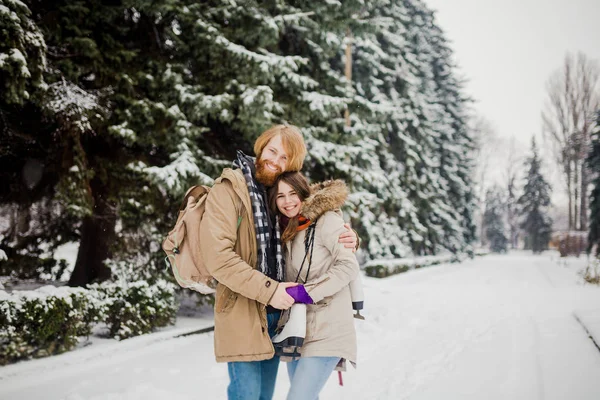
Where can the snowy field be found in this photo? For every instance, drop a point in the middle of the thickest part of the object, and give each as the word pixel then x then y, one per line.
pixel 497 327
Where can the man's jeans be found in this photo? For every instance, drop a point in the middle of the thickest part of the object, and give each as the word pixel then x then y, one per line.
pixel 308 376
pixel 254 380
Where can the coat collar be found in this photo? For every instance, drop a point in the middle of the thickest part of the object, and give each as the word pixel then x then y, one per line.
pixel 325 196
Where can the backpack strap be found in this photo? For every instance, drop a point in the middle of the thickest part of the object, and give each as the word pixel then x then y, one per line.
pixel 194 191
pixel 240 216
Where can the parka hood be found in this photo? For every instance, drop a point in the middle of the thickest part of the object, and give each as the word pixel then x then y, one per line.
pixel 325 196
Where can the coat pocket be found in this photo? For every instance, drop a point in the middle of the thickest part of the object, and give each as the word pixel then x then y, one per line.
pixel 225 299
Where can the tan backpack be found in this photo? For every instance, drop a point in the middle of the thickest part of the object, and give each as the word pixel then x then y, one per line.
pixel 182 245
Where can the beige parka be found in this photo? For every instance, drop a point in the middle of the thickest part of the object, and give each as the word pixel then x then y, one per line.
pixel 330 328
pixel 230 254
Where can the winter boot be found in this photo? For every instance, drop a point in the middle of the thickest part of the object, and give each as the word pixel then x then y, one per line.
pixel 294 330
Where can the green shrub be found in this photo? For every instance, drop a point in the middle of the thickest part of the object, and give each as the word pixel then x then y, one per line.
pixel 132 309
pixel 44 322
pixel 50 320
pixel 385 268
pixel 32 267
pixel 382 271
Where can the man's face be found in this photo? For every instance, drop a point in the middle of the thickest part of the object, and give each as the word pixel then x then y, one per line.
pixel 272 162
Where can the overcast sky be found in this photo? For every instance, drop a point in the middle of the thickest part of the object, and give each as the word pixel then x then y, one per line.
pixel 508 49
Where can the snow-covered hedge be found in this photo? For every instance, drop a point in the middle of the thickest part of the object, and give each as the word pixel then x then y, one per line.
pixel 50 320
pixel 384 268
pixel 136 308
pixel 45 321
pixel 481 252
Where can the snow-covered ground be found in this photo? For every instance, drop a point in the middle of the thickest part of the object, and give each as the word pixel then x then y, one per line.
pixel 497 327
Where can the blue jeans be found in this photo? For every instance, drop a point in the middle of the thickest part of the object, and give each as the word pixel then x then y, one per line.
pixel 308 375
pixel 254 380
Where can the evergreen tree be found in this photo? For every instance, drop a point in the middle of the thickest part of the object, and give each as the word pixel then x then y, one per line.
pixel 126 104
pixel 493 219
pixel 512 212
pixel 22 53
pixel 453 145
pixel 388 89
pixel 593 162
pixel 534 204
pixel 408 92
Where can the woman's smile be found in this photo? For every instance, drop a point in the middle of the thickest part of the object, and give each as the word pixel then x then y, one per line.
pixel 288 201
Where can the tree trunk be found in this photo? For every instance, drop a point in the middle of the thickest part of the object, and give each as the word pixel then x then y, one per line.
pixel 20 219
pixel 97 236
pixel 569 193
pixel 572 99
pixel 576 221
pixel 583 210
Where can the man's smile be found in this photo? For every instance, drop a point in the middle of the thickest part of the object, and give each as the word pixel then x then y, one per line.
pixel 271 167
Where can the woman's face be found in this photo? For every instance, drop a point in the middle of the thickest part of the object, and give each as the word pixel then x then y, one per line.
pixel 288 201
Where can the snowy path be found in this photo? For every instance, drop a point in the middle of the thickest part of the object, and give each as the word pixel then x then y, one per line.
pixel 498 327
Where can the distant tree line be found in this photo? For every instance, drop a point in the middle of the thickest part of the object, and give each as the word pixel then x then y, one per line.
pixel 530 209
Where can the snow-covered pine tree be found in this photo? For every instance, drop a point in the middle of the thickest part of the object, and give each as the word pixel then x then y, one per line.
pixel 382 92
pixel 33 154
pixel 22 53
pixel 421 175
pixel 534 204
pixel 222 73
pixel 379 206
pixel 493 219
pixel 593 163
pixel 453 146
pixel 313 93
pixel 394 76
pixel 145 99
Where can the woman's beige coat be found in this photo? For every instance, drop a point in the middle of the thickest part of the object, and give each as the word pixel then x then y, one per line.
pixel 330 328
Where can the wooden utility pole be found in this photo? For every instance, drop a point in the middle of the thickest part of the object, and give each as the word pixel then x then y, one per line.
pixel 348 70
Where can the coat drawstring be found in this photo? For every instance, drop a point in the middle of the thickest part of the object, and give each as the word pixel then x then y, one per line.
pixel 340 380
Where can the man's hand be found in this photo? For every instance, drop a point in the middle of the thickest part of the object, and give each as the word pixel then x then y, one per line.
pixel 348 238
pixel 281 299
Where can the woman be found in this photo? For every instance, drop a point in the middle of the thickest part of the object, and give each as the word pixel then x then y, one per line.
pixel 314 222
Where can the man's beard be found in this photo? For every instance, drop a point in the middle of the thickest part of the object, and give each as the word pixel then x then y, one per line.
pixel 265 175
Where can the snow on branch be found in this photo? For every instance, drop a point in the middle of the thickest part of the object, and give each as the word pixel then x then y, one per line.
pixel 171 177
pixel 74 104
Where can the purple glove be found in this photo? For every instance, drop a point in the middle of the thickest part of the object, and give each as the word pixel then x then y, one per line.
pixel 299 294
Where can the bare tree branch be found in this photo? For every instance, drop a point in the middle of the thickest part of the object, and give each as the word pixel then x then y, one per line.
pixel 567 122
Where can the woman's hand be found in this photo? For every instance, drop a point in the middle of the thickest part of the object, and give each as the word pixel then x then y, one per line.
pixel 281 299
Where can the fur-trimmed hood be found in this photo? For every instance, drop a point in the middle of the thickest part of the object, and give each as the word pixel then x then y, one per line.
pixel 325 196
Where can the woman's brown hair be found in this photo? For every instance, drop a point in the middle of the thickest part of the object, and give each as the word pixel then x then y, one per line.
pixel 298 182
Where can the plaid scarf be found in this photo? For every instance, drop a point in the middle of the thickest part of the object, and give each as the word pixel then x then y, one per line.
pixel 262 224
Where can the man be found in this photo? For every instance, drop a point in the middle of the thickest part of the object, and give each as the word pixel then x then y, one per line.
pixel 241 246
